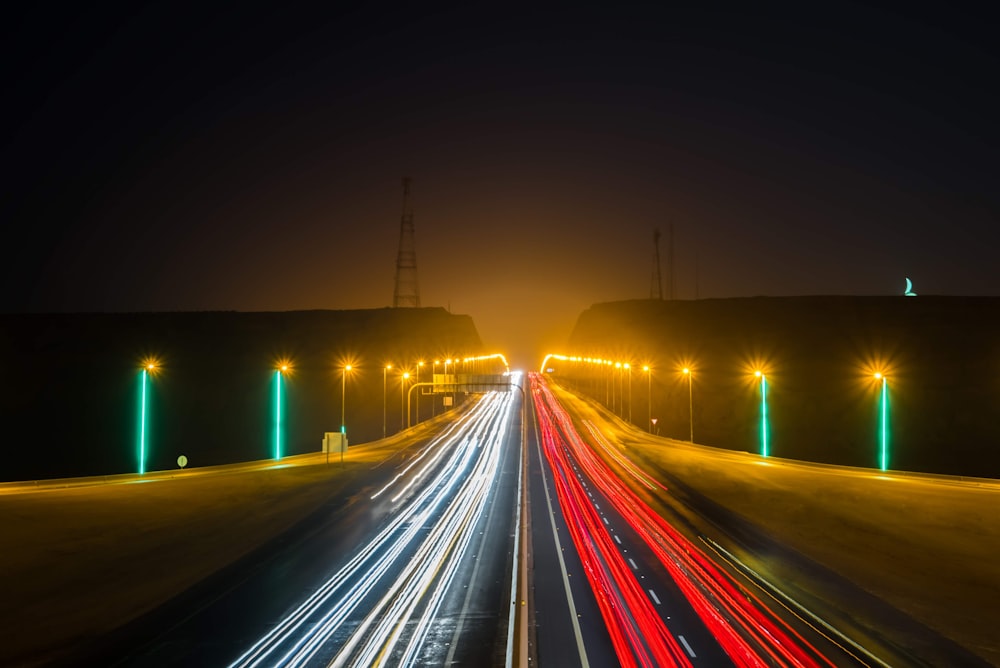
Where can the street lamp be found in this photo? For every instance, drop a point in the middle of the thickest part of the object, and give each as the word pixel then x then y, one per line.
pixel 628 367
pixel 278 373
pixel 420 366
pixel 433 396
pixel 343 404
pixel 446 363
pixel 883 422
pixel 148 368
pixel 618 368
pixel 402 398
pixel 649 397
pixel 690 376
pixel 763 411
pixel 385 370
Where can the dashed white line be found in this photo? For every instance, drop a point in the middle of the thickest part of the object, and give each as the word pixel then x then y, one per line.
pixel 617 539
pixel 686 646
pixel 634 567
pixel 653 594
pixel 605 520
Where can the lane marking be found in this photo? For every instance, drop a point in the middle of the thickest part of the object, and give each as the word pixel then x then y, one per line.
pixel 633 563
pixel 617 539
pixel 788 602
pixel 686 646
pixel 653 594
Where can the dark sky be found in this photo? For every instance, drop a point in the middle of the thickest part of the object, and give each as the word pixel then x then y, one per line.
pixel 179 157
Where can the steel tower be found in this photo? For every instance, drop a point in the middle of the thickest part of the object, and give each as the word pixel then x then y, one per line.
pixel 407 292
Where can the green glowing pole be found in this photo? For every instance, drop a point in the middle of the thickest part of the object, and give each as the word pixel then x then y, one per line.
pixel 763 415
pixel 277 414
pixel 884 426
pixel 142 424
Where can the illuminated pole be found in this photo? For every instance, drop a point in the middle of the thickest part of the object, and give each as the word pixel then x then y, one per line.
pixel 763 412
pixel 420 366
pixel 277 410
pixel 687 372
pixel 618 404
pixel 446 363
pixel 649 397
pixel 343 405
pixel 148 369
pixel 385 370
pixel 402 399
pixel 883 423
pixel 433 395
pixel 628 367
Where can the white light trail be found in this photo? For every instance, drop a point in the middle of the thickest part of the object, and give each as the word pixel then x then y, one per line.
pixel 392 589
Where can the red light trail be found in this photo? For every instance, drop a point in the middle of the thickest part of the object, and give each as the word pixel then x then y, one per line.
pixel 749 633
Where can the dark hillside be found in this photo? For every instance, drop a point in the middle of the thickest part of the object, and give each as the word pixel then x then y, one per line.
pixel 941 356
pixel 70 383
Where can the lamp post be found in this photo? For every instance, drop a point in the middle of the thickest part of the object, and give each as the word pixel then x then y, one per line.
pixel 433 395
pixel 147 370
pixel 618 404
pixel 763 412
pixel 649 397
pixel 420 367
pixel 385 370
pixel 277 409
pixel 402 399
pixel 690 376
pixel 446 363
pixel 883 422
pixel 628 367
pixel 343 405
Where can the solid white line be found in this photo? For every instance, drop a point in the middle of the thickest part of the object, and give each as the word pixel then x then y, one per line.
pixel 653 594
pixel 787 601
pixel 633 563
pixel 686 646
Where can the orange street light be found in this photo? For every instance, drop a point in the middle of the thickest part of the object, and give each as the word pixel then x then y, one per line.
pixel 690 376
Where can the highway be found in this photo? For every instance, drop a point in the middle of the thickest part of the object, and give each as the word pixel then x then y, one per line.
pixel 741 566
pixel 414 570
pixel 627 564
pixel 663 601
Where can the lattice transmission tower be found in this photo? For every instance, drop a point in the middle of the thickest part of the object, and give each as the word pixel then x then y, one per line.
pixel 407 291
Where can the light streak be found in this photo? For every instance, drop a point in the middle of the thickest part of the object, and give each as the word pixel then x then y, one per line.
pixel 382 605
pixel 746 629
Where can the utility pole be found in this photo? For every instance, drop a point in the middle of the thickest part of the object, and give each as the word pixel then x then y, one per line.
pixel 407 291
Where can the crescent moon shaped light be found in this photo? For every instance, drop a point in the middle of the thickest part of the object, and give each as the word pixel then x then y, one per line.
pixel 909 289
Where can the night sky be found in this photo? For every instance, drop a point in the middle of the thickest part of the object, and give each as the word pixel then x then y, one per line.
pixel 177 157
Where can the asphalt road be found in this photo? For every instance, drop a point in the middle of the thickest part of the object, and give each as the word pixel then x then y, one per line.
pixel 415 567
